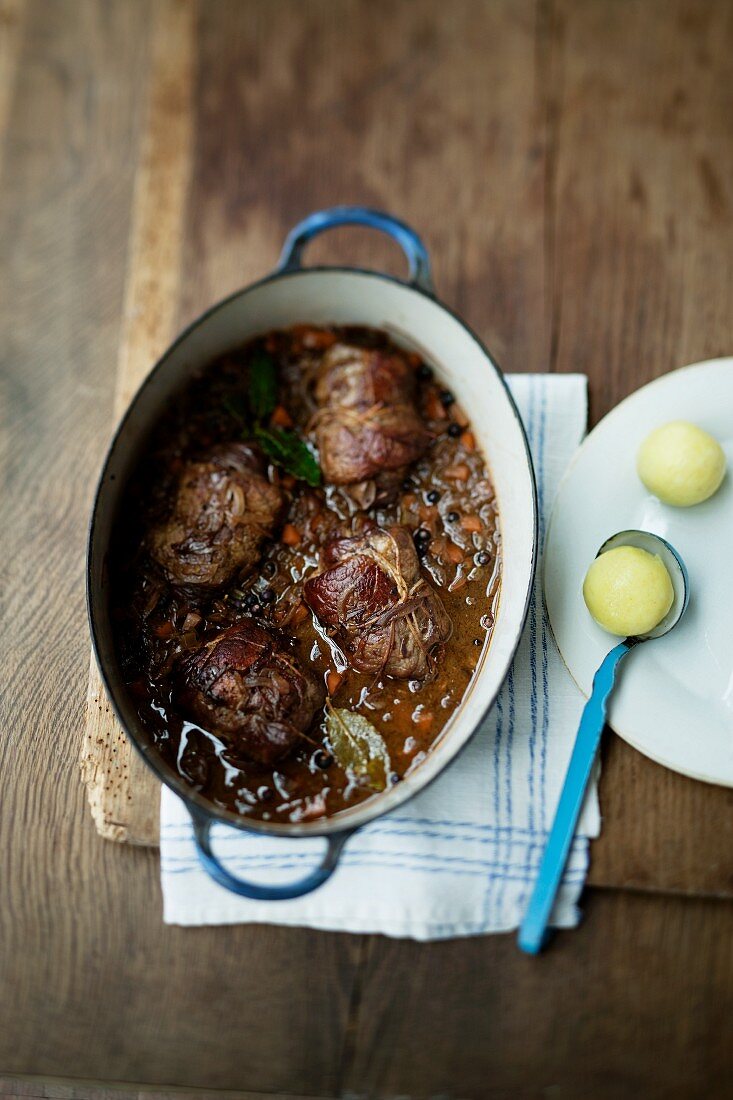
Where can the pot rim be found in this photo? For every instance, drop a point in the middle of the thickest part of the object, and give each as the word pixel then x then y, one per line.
pixel 346 821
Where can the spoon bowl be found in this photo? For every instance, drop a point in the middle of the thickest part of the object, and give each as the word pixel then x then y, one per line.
pixel 673 563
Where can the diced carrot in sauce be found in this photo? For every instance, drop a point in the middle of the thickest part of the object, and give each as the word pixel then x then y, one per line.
pixel 290 535
pixel 319 338
pixel 459 472
pixel 468 440
pixel 333 681
pixel 299 615
pixel 437 546
pixel 454 553
pixel 281 417
pixel 164 630
pixel 316 522
pixel 471 524
pixel 434 407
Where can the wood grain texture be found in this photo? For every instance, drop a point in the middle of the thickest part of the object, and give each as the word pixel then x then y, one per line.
pixel 91 982
pixel 38 1088
pixel 124 796
pixel 616 1010
pixel 506 132
pixel 376 104
pixel 12 14
pixel 610 1012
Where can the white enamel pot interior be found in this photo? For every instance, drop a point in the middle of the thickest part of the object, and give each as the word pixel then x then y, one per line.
pixel 418 322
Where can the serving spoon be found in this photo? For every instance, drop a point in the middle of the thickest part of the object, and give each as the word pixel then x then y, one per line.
pixel 533 932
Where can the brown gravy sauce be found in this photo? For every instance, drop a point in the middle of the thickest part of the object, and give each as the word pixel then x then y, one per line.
pixel 447 496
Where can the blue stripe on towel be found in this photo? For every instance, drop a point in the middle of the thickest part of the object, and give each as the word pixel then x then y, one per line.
pixel 245 863
pixel 183 828
pixel 265 859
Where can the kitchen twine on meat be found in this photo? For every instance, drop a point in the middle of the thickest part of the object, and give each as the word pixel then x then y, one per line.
pixel 461 857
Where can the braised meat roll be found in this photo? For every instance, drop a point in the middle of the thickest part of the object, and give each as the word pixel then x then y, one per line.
pixel 223 507
pixel 247 687
pixel 368 428
pixel 372 596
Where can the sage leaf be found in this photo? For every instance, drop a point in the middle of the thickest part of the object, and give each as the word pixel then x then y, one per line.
pixel 288 450
pixel 285 448
pixel 262 385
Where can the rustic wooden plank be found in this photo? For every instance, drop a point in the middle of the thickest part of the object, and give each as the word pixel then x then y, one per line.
pixel 37 1088
pixel 337 104
pixel 641 161
pixel 12 14
pixel 611 1011
pixel 93 984
pixel 123 794
pixel 51 358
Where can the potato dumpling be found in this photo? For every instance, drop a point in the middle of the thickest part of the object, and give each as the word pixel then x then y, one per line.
pixel 681 464
pixel 628 591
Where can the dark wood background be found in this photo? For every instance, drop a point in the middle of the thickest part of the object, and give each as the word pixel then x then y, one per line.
pixel 570 166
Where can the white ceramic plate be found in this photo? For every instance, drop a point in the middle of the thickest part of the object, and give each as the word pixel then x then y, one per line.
pixel 674 699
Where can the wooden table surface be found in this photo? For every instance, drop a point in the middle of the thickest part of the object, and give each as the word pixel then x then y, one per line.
pixel 569 165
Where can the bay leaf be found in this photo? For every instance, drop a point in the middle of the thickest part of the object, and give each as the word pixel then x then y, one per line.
pixel 358 747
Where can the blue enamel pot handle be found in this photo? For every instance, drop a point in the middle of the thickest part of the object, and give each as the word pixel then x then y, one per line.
pixel 408 240
pixel 315 878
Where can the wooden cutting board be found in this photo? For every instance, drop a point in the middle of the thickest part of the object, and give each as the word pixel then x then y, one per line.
pixel 123 793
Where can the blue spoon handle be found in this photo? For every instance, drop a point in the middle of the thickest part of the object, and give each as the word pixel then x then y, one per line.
pixel 533 929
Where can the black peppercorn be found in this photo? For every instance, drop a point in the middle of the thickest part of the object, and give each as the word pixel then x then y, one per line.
pixel 422 539
pixel 394 778
pixel 268 569
pixel 251 602
pixel 482 558
pixel 446 398
pixel 322 759
pixel 453 517
pixel 267 594
pixel 424 372
pixel 407 485
pixel 477 641
pixel 433 496
pixel 454 430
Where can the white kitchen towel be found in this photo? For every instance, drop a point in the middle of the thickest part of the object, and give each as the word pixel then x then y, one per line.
pixel 461 857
